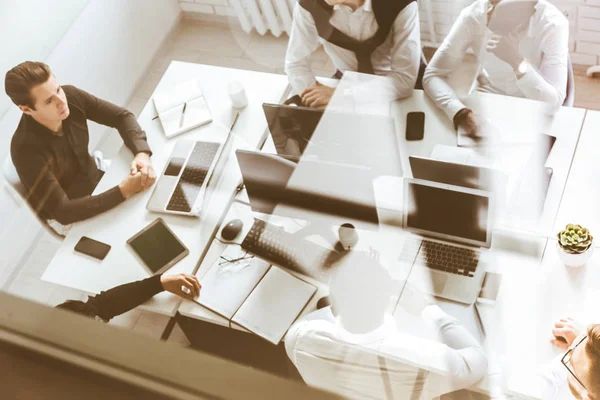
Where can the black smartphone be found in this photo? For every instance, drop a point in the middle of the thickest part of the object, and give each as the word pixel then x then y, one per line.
pixel 92 248
pixel 415 125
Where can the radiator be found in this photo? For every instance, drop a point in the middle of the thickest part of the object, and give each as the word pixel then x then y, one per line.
pixel 276 16
pixel 264 15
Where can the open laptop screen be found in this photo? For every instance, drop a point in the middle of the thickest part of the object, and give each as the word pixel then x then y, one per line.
pixel 447 212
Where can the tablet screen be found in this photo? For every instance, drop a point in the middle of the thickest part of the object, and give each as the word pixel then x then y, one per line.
pixel 157 246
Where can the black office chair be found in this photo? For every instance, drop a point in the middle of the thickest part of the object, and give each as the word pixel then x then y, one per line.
pixel 422 67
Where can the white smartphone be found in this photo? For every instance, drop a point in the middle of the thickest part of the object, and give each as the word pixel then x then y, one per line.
pixel 490 288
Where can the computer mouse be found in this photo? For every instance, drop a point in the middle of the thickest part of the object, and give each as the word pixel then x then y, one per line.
pixel 232 229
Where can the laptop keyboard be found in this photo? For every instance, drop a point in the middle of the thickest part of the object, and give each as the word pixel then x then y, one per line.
pixel 193 176
pixel 439 256
pixel 447 258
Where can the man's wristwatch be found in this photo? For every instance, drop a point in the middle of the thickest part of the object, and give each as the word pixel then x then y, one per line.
pixel 522 68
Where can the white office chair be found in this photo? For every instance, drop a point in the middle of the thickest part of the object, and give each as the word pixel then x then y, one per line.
pixel 12 177
pixel 361 372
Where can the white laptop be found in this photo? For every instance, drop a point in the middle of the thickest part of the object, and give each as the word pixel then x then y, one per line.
pixel 453 225
pixel 185 182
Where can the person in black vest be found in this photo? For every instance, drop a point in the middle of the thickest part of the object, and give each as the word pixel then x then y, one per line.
pixel 380 37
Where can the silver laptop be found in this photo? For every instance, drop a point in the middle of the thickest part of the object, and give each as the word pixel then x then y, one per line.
pixel 185 183
pixel 454 226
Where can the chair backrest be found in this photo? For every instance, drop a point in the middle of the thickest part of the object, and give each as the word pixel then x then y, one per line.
pixel 12 177
pixel 570 97
pixel 356 371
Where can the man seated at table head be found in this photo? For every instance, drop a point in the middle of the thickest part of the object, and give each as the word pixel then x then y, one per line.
pixel 525 55
pixel 123 298
pixel 580 365
pixel 355 349
pixel 50 146
pixel 378 37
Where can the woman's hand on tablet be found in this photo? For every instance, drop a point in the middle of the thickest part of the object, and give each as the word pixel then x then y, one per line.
pixel 182 285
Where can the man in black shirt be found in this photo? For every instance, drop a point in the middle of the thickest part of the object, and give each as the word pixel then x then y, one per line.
pixel 50 146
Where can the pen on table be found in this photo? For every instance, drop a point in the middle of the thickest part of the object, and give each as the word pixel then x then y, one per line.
pixel 183 114
pixel 234 121
pixel 479 318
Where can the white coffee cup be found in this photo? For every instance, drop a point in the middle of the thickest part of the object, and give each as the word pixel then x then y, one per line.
pixel 237 94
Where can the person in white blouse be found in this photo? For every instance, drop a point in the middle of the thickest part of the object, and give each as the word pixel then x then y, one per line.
pixel 360 353
pixel 371 36
pixel 521 49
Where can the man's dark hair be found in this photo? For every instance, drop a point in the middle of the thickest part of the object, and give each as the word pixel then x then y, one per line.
pixel 21 79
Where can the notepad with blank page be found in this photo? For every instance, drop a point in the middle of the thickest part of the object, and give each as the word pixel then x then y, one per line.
pixel 170 106
pixel 274 304
pixel 230 280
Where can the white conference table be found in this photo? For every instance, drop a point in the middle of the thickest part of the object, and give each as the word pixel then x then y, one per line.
pixel 120 266
pixel 438 130
pixel 114 227
pixel 520 325
pixel 536 287
pixel 514 116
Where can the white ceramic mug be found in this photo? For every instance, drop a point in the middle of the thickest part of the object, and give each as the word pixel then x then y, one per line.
pixel 237 94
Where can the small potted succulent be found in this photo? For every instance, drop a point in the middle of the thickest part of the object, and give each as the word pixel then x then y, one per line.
pixel 575 245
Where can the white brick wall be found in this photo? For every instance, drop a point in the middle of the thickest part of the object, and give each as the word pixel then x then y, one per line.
pixel 583 15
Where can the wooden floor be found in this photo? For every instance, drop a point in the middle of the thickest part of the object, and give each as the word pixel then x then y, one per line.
pixel 206 43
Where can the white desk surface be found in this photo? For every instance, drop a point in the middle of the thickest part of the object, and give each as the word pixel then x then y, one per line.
pixel 566 127
pixel 531 300
pixel 119 224
pixel 514 116
pixel 580 203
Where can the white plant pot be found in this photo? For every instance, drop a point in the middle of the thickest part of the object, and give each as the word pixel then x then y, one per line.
pixel 574 260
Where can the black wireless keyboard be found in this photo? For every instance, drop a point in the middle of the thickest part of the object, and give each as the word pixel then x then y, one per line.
pixel 273 244
pixel 193 177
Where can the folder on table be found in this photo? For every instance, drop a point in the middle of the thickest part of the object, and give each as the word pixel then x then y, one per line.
pixel 170 106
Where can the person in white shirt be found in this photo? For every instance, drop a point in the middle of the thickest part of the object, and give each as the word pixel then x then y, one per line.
pixel 378 37
pixel 525 56
pixel 579 366
pixel 359 352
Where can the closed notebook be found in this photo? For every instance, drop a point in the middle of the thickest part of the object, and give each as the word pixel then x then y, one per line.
pixel 264 299
pixel 171 103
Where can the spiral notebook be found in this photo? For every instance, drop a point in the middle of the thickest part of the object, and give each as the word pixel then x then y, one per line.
pixel 249 292
pixel 171 104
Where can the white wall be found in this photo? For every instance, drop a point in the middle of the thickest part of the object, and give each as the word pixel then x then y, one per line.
pixel 583 15
pixel 106 51
pixel 56 16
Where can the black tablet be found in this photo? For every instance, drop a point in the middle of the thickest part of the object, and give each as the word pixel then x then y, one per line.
pixel 157 247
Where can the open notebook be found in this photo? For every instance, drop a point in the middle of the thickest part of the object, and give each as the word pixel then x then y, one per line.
pixel 264 299
pixel 170 105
